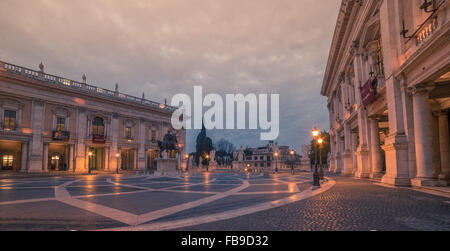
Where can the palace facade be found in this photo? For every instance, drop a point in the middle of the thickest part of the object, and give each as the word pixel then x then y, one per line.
pixel 388 87
pixel 50 123
pixel 269 157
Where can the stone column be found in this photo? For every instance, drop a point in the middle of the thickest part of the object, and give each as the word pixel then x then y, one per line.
pixel 396 146
pixel 423 136
pixel 348 153
pixel 135 160
pixel 23 164
pixel 332 168
pixel 362 153
pixel 114 132
pixel 71 153
pixel 81 160
pixel 354 149
pixel 141 153
pixel 107 158
pixel 444 146
pixel 375 150
pixel 37 124
pixel 338 156
pixel 45 158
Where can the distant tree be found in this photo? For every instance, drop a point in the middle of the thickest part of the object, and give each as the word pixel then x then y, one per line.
pixel 225 146
pixel 224 151
pixel 203 147
pixel 325 148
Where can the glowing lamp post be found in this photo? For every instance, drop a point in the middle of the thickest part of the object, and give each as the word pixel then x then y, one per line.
pixel 292 153
pixel 187 161
pixel 117 160
pixel 207 161
pixel 320 141
pixel 89 166
pixel 276 161
pixel 316 178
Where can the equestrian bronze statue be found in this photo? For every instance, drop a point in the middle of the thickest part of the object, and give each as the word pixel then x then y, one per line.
pixel 169 143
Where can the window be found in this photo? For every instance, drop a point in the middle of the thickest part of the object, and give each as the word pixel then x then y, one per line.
pixel 379 64
pixel 98 126
pixel 10 120
pixel 261 158
pixel 256 158
pixel 128 132
pixel 60 124
pixel 7 162
pixel 153 136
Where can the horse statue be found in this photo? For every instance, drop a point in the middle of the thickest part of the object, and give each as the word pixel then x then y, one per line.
pixel 169 143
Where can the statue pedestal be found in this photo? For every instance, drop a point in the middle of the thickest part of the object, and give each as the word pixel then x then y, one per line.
pixel 166 166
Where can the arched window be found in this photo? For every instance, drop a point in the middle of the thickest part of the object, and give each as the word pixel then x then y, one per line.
pixel 98 126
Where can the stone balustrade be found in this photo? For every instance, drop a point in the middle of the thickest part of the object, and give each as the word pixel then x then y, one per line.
pixel 41 76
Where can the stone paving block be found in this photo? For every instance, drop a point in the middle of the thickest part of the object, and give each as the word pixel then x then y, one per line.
pixel 76 191
pixel 223 205
pixel 52 216
pixel 7 194
pixel 265 188
pixel 209 188
pixel 159 185
pixel 140 203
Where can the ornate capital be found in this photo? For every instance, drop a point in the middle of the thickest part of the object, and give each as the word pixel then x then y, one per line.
pixel 420 89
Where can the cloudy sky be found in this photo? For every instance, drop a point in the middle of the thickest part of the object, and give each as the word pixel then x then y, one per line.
pixel 165 47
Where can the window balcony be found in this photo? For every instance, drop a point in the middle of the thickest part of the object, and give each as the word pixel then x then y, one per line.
pixel 61 135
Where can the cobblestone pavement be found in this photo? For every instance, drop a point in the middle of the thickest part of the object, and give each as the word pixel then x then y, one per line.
pixel 350 205
pixel 130 202
pixel 215 202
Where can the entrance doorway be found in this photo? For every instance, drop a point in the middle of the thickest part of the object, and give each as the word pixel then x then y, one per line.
pixel 10 155
pixel 97 158
pixel 151 159
pixel 127 159
pixel 58 157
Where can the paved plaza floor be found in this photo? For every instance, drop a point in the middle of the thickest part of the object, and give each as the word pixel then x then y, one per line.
pixel 215 201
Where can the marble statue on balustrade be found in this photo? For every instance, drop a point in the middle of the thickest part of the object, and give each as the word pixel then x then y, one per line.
pixel 238 156
pixel 212 159
pixel 305 161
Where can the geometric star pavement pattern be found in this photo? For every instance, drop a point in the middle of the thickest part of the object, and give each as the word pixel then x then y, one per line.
pixel 129 202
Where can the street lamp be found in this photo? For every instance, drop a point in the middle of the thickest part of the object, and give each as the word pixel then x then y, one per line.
pixel 187 162
pixel 117 160
pixel 89 166
pixel 320 141
pixel 276 162
pixel 316 178
pixel 292 152
pixel 207 162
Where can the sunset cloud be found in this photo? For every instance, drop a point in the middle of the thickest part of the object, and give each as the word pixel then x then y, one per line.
pixel 164 47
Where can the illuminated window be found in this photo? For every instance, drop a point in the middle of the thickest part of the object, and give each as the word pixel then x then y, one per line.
pixel 7 161
pixel 60 124
pixel 10 120
pixel 128 132
pixel 98 126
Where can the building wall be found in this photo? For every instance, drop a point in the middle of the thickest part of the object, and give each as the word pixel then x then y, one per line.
pixel 401 135
pixel 40 98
